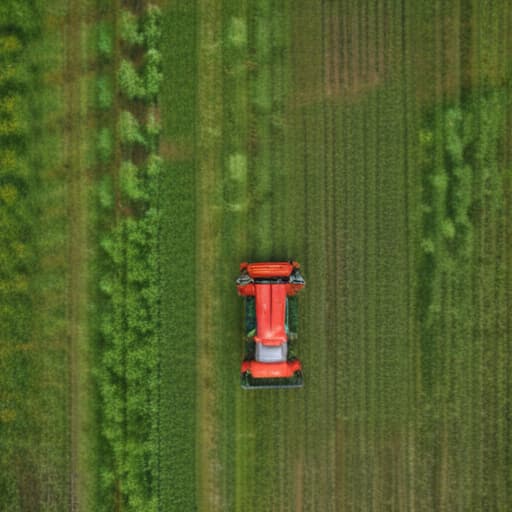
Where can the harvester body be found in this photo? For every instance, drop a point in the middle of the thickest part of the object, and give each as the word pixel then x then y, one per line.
pixel 269 289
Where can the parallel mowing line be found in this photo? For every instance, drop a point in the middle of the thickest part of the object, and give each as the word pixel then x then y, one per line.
pixel 343 403
pixel 361 185
pixel 500 319
pixel 456 304
pixel 264 404
pixel 406 43
pixel 508 284
pixel 437 340
pixel 284 215
pixel 478 310
pixel 446 336
pixel 316 447
pixel 282 250
pixel 404 342
pixel 368 342
pixel 491 311
pixel 250 426
pixel 382 473
pixel 296 441
pixel 353 260
pixel 308 353
pixel 503 267
pixel 394 320
pixel 242 427
pixel 236 428
pixel 209 140
pixel 462 386
pixel 370 285
pixel 275 225
pixel 330 245
pixel 373 384
pixel 340 235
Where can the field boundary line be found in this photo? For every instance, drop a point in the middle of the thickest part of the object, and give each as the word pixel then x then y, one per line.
pixel 77 210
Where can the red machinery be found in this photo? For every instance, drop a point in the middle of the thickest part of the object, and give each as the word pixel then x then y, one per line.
pixel 271 324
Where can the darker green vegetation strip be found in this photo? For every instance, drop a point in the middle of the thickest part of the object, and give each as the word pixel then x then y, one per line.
pixel 177 335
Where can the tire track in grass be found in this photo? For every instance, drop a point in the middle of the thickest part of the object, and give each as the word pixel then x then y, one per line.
pixel 370 164
pixel 236 197
pixel 77 250
pixel 491 339
pixel 275 147
pixel 501 314
pixel 391 293
pixel 318 392
pixel 370 275
pixel 429 342
pixel 347 379
pixel 264 404
pixel 235 430
pixel 208 243
pixel 476 362
pixel 340 269
pixel 263 412
pixel 284 227
pixel 313 349
pixel 296 157
pixel 446 473
pixel 330 56
pixel 443 335
pixel 411 203
pixel 505 288
pixel 370 282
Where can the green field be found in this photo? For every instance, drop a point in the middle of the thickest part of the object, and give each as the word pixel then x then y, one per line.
pixel 147 148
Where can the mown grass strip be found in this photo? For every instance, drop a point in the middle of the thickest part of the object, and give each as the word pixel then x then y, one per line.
pixel 208 237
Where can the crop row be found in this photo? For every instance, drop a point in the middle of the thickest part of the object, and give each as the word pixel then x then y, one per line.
pixel 127 196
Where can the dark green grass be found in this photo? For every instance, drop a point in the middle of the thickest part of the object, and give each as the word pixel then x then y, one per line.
pixel 177 339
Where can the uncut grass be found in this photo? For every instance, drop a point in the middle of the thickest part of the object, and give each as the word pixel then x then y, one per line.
pixel 178 353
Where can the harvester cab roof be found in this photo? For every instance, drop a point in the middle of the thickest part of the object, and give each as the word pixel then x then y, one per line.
pixel 271 322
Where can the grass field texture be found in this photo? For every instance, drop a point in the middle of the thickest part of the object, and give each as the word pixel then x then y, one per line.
pixel 147 148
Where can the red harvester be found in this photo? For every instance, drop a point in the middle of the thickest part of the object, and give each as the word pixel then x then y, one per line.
pixel 271 324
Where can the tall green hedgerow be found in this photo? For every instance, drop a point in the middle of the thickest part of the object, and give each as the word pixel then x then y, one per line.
pixel 131 185
pixel 129 129
pixel 130 83
pixel 152 72
pixel 129 28
pixel 152 29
